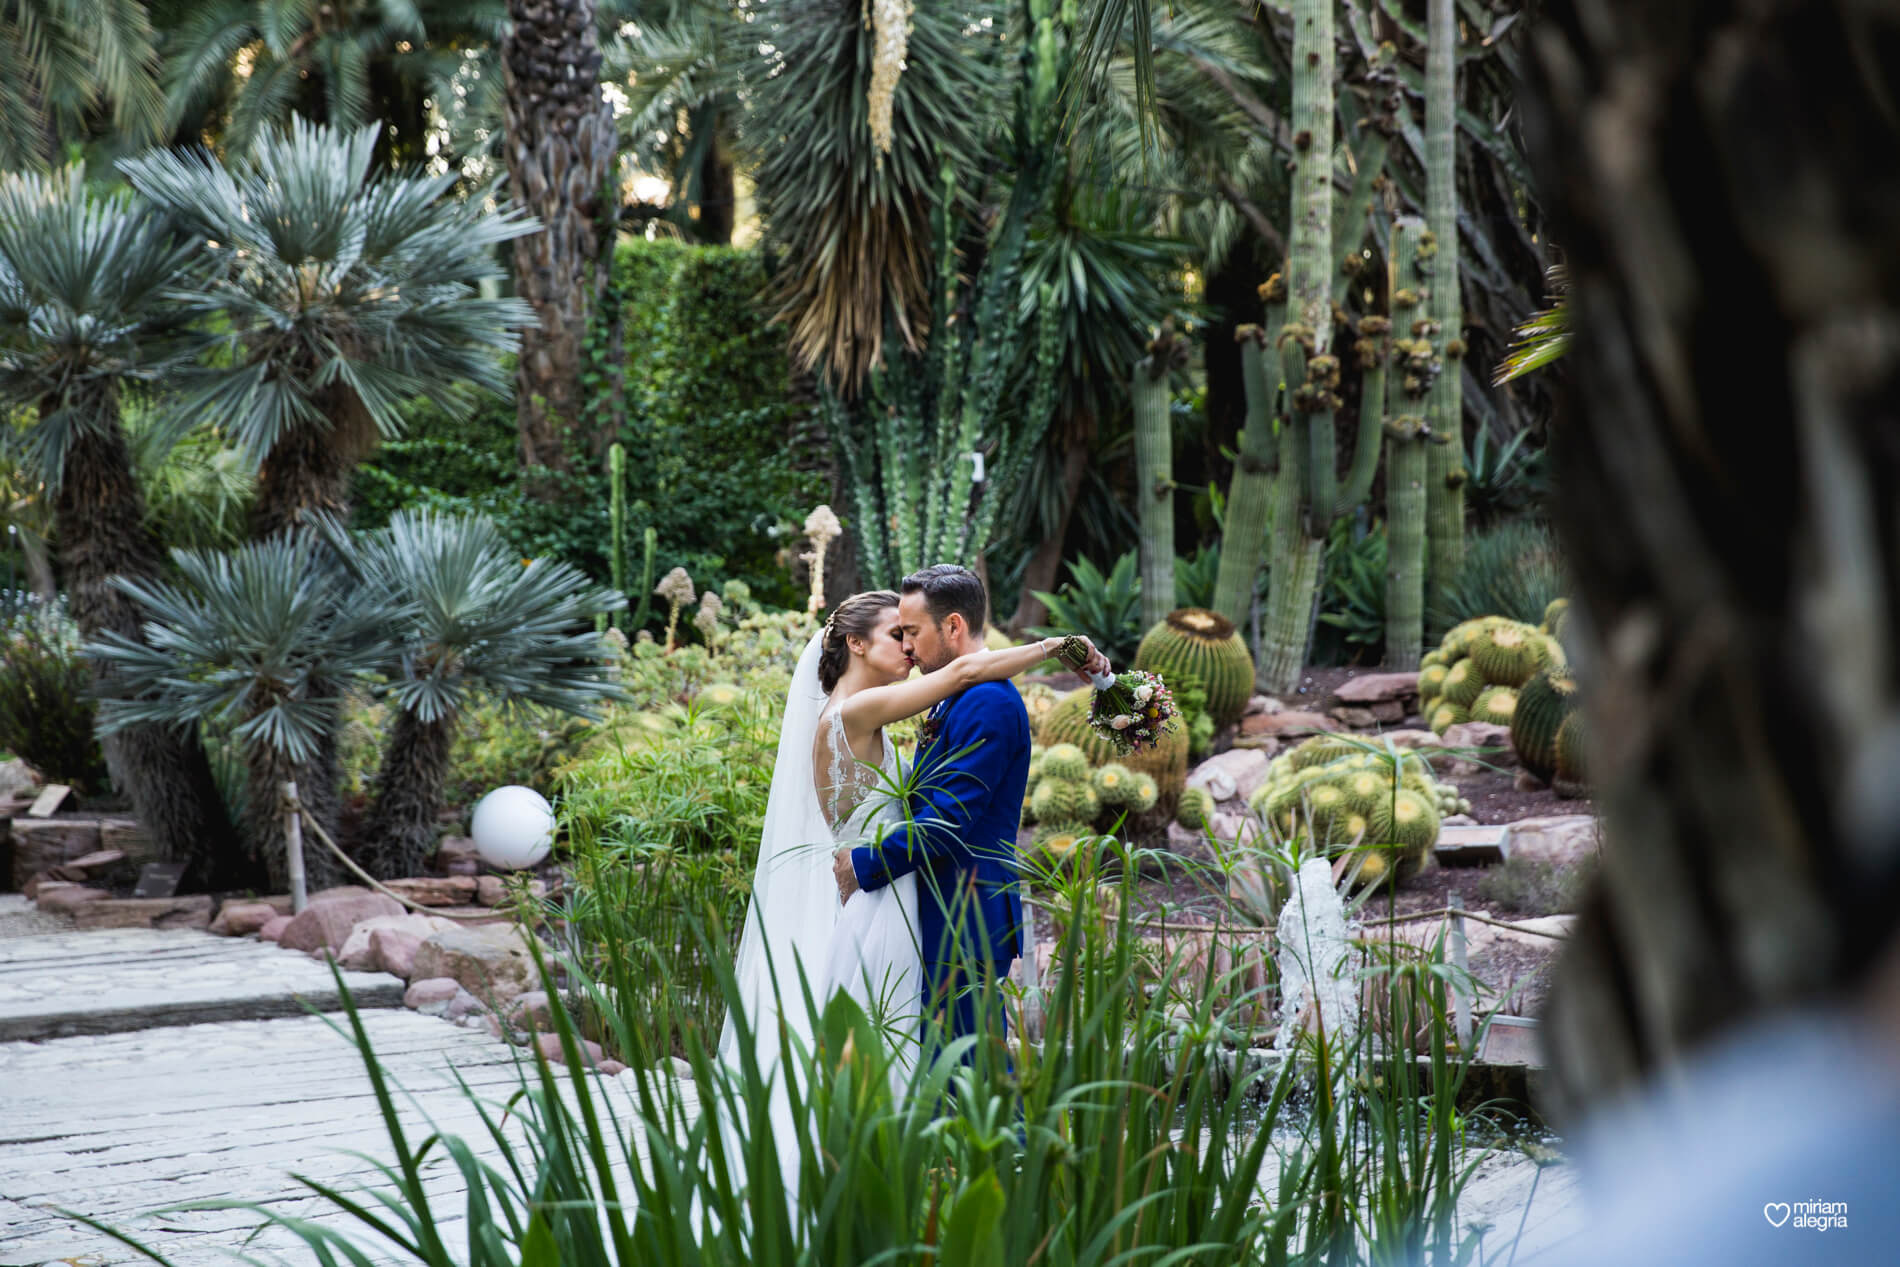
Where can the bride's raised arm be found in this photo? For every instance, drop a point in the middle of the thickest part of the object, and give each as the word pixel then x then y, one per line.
pixel 881 705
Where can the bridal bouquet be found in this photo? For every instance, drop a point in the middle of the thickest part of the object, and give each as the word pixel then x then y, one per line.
pixel 1130 710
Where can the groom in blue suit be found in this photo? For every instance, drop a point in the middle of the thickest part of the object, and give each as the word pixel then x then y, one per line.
pixel 960 835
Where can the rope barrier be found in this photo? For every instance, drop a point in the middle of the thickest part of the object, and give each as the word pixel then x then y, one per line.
pixel 295 806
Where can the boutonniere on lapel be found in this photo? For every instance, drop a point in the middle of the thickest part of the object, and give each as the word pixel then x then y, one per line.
pixel 927 730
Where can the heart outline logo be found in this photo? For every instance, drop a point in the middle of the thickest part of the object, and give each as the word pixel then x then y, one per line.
pixel 1767 1212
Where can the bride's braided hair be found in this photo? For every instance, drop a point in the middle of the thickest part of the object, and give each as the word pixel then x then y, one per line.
pixel 855 617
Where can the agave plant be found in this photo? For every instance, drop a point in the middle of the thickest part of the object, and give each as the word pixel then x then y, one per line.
pixel 341 292
pixel 477 622
pixel 1106 608
pixel 263 640
pixel 91 311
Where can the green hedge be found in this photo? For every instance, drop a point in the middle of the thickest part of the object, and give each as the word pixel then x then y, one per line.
pixel 708 427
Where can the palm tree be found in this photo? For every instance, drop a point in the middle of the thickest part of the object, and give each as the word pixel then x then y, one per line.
pixel 341 293
pixel 858 221
pixel 91 311
pixel 479 623
pixel 267 640
pixel 560 151
pixel 64 61
pixel 243 68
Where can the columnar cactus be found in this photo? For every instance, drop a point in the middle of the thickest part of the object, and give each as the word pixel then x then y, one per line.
pixel 1250 496
pixel 1154 471
pixel 617 518
pixel 1445 473
pixel 1405 463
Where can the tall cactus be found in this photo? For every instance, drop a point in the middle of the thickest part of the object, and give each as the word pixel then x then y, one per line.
pixel 1306 503
pixel 1409 379
pixel 650 549
pixel 1445 462
pixel 617 516
pixel 1250 495
pixel 1154 471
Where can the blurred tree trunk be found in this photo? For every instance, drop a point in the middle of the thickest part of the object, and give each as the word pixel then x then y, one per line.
pixel 101 533
pixel 1725 181
pixel 560 151
pixel 718 197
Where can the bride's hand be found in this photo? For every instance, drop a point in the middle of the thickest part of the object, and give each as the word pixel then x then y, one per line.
pixel 845 874
pixel 1097 663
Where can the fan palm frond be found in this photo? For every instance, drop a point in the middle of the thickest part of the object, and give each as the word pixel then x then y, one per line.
pixel 1543 337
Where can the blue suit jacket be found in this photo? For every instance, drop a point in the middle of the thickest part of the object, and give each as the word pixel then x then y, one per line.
pixel 961 837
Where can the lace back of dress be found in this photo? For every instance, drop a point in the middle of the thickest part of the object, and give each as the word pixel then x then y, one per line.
pixel 846 782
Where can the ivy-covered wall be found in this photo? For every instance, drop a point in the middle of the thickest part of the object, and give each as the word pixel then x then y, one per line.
pixel 705 416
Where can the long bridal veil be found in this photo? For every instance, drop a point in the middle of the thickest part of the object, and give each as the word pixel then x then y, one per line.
pixel 794 907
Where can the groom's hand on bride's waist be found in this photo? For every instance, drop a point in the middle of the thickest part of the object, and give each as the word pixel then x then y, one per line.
pixel 845 874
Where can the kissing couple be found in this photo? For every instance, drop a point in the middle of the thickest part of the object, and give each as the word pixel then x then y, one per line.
pixel 874 881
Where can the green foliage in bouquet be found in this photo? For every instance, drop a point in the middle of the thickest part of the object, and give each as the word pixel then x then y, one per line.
pixel 1205 644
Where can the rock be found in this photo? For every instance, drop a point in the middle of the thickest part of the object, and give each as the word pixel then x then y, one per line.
pixel 44 844
pixel 492 890
pixel 432 996
pixel 395 950
pixel 1458 820
pixel 456 856
pixel 530 1011
pixel 53 799
pixel 61 897
pixel 360 949
pixel 1377 688
pixel 238 918
pixel 326 922
pixel 17 778
pixel 1234 774
pixel 341 890
pixel 1354 716
pixel 491 961
pixel 549 1045
pixel 463 1005
pixel 1387 711
pixel 1287 722
pixel 99 860
pixel 610 1068
pixel 273 930
pixel 1265 745
pixel 1185 842
pixel 1414 739
pixel 127 836
pixel 1262 704
pixel 145 912
pixel 1482 734
pixel 1563 839
pixel 452 890
pixel 1234 829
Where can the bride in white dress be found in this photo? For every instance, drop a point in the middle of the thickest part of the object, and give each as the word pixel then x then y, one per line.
pixel 830 786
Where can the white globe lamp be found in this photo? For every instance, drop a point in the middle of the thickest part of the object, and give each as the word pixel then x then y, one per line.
pixel 513 828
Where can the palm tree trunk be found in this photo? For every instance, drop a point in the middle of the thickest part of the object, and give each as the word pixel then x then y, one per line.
pixel 401 830
pixel 1724 192
pixel 308 471
pixel 100 514
pixel 316 780
pixel 560 151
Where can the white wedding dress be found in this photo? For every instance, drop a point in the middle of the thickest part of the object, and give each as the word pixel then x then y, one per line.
pixel 796 935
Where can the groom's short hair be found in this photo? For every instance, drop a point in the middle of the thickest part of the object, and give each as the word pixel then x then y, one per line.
pixel 948 588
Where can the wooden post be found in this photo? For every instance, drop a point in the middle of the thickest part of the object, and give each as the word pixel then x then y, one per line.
pixel 1460 1002
pixel 293 847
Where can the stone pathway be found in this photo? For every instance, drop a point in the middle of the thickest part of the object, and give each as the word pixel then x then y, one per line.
pixel 53 985
pixel 113 1121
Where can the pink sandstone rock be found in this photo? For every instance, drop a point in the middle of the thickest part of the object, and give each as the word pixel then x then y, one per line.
pixel 549 1045
pixel 61 897
pixel 361 951
pixel 273 930
pixel 239 918
pixel 325 924
pixel 451 890
pixel 1375 688
pixel 435 992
